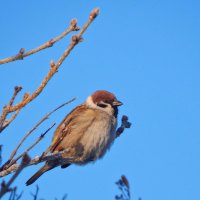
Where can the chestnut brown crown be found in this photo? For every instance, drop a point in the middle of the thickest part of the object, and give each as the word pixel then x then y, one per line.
pixel 103 97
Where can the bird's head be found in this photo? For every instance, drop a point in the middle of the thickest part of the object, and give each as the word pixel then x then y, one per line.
pixel 103 100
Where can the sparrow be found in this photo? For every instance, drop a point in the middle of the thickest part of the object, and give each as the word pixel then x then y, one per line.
pixel 87 132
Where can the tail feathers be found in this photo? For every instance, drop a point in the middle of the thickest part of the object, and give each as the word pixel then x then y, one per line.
pixel 41 171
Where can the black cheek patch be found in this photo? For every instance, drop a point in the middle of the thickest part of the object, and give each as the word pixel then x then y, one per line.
pixel 102 105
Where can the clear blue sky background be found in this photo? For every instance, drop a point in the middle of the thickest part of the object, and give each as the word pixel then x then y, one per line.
pixel 147 53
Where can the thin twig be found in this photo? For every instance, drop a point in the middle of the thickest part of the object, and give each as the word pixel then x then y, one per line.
pixel 78 38
pixel 22 54
pixel 29 148
pixel 40 138
pixel 0 154
pixel 6 187
pixel 14 195
pixel 124 187
pixel 17 89
pixel 53 69
pixel 93 15
pixel 58 156
pixel 38 124
pixel 19 196
pixel 7 122
pixel 36 193
pixel 64 197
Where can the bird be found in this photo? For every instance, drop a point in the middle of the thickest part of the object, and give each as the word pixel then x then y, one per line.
pixel 87 132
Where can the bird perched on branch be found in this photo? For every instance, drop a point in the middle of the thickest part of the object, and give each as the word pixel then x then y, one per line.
pixel 86 132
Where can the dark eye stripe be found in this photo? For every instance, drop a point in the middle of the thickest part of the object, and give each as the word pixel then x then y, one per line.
pixel 102 105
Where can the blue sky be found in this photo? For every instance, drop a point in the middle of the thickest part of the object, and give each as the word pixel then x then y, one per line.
pixel 147 53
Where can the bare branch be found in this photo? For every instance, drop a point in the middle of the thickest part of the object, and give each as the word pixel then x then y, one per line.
pixel 22 54
pixel 5 187
pixel 58 156
pixel 0 154
pixel 12 165
pixel 38 124
pixel 35 196
pixel 14 195
pixel 93 15
pixel 17 89
pixel 7 122
pixel 53 69
pixel 64 197
pixel 124 187
pixel 28 149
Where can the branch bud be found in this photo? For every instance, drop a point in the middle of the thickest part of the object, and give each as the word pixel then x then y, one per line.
pixel 25 159
pixel 75 38
pixel 50 43
pixel 26 95
pixel 125 181
pixel 21 51
pixel 94 13
pixel 74 25
pixel 52 63
pixel 18 88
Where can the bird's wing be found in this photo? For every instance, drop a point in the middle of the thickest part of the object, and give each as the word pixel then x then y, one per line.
pixel 72 122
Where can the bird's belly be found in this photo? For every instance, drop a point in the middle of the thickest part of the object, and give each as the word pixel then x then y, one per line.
pixel 96 140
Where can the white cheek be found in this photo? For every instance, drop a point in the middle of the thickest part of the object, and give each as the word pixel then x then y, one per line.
pixel 107 109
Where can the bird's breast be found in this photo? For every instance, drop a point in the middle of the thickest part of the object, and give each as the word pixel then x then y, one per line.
pixel 98 137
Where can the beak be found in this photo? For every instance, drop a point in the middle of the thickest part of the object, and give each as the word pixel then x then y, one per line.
pixel 117 103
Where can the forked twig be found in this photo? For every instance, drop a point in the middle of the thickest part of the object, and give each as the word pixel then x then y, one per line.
pixel 14 195
pixel 53 69
pixel 35 195
pixel 17 89
pixel 124 187
pixel 0 154
pixel 22 54
pixel 38 124
pixel 3 123
pixel 7 122
pixel 5 187
pixel 38 159
pixel 11 165
pixel 11 162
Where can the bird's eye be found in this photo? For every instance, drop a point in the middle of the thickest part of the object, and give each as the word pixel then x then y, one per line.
pixel 102 105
